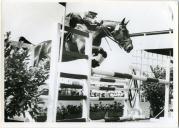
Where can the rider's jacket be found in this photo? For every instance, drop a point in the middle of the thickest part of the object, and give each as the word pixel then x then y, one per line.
pixel 74 19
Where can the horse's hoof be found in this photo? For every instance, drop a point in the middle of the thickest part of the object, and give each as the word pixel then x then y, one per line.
pixel 95 63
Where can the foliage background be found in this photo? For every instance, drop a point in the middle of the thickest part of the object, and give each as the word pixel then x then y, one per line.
pixel 21 81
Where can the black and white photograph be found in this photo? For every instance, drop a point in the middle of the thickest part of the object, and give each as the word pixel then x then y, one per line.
pixel 105 63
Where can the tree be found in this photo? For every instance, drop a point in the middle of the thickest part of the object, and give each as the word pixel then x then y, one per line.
pixel 21 81
pixel 155 92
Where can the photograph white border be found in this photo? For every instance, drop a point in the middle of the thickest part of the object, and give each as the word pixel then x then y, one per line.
pixel 88 124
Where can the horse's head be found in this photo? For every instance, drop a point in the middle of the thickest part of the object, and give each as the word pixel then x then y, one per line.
pixel 121 34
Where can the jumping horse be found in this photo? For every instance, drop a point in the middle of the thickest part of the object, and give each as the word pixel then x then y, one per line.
pixel 115 31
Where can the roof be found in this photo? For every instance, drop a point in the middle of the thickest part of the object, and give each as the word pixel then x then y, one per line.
pixel 163 51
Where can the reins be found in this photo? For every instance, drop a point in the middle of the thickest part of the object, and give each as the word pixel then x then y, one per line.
pixel 110 36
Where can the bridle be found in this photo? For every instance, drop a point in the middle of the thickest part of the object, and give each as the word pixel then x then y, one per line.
pixel 110 36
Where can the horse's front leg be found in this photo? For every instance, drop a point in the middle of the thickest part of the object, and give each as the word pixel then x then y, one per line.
pixel 98 56
pixel 98 52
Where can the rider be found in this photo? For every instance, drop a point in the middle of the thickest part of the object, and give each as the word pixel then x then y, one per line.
pixel 89 19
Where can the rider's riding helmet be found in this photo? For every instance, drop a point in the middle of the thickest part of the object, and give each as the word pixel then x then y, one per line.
pixel 91 14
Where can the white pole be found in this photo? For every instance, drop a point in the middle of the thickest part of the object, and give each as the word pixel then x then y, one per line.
pixel 54 85
pixel 166 109
pixel 86 87
pixel 85 107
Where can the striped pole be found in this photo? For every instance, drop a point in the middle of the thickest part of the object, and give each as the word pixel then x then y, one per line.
pixel 107 83
pixel 112 88
pixel 129 76
pixel 107 99
pixel 109 80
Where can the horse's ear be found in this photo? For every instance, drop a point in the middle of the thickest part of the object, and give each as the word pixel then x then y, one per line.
pixel 127 22
pixel 123 21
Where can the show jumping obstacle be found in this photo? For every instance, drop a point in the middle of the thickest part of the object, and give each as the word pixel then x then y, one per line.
pixel 56 83
pixel 86 98
pixel 129 76
pixel 56 74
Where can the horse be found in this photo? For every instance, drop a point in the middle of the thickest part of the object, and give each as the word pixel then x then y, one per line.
pixel 116 31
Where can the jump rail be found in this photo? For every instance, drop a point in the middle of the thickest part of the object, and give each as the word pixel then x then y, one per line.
pixel 151 33
pixel 113 88
pixel 73 120
pixel 129 76
pixel 71 86
pixel 60 97
pixel 118 85
pixel 107 99
pixel 74 76
pixel 108 80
